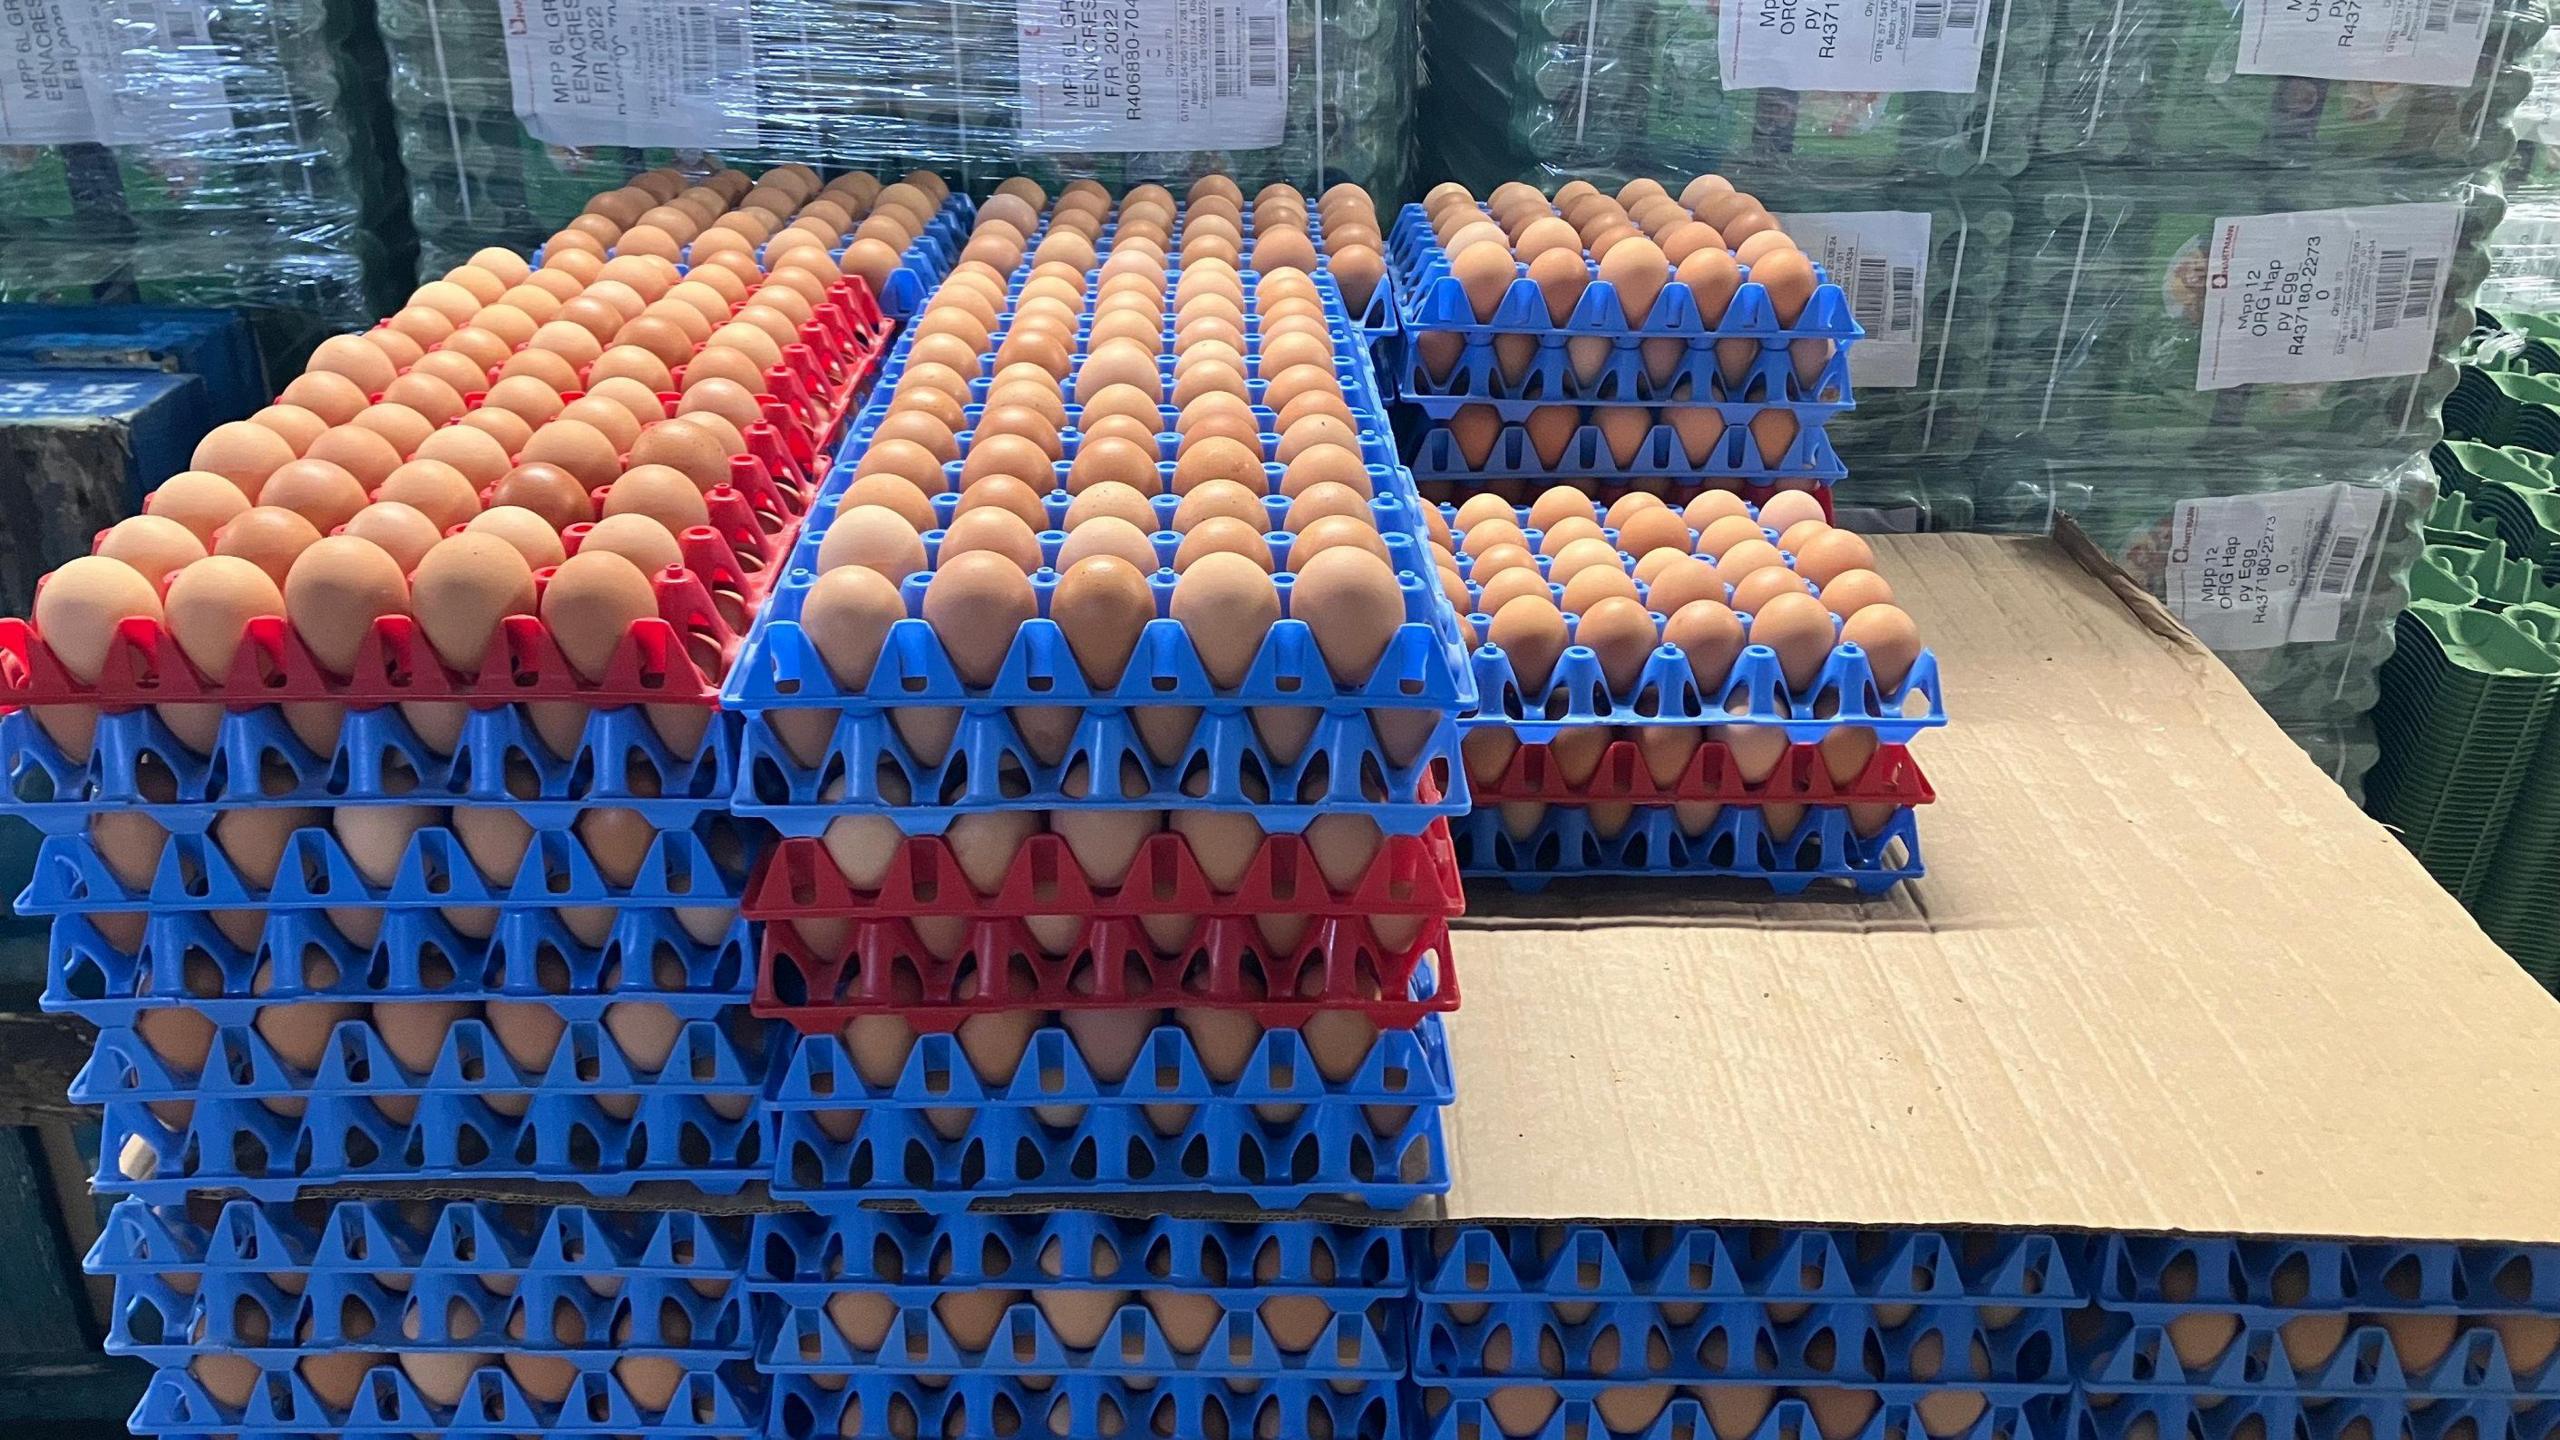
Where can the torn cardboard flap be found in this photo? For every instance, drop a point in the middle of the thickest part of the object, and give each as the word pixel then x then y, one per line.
pixel 2162 975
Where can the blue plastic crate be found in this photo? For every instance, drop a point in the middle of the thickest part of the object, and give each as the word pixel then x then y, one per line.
pixel 2249 1417
pixel 2273 1280
pixel 1623 1342
pixel 722 1399
pixel 1626 375
pixel 703 866
pixel 1682 1264
pixel 805 1259
pixel 1738 844
pixel 1402 1067
pixel 729 1057
pixel 1324 1152
pixel 1844 695
pixel 880 1406
pixel 184 957
pixel 1655 1413
pixel 245 1145
pixel 1432 453
pixel 259 763
pixel 2133 1356
pixel 472 1238
pixel 1364 1342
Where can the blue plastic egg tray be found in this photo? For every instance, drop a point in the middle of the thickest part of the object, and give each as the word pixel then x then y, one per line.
pixel 246 1146
pixel 1584 1416
pixel 1739 844
pixel 1402 1067
pixel 928 259
pixel 2247 1277
pixel 259 763
pixel 1432 452
pixel 1728 1264
pixel 714 1398
pixel 2251 1416
pixel 878 1406
pixel 704 865
pixel 1554 375
pixel 357 1070
pixel 1326 1151
pixel 1355 1344
pixel 2137 1356
pixel 804 1259
pixel 468 1238
pixel 184 958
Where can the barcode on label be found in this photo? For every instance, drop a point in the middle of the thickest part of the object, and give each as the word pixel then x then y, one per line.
pixel 2340 559
pixel 1883 297
pixel 1262 50
pixel 1964 14
pixel 2421 301
pixel 2443 15
pixel 1928 19
pixel 712 47
pixel 1230 73
pixel 2390 290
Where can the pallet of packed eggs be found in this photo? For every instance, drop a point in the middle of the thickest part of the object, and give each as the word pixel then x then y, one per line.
pixel 1107 713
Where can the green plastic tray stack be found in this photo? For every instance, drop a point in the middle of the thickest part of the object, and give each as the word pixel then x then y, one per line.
pixel 268 184
pixel 883 87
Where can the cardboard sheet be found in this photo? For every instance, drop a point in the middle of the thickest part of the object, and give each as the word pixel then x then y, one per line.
pixel 2163 975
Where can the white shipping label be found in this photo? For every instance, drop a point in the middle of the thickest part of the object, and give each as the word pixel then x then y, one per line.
pixel 1119 75
pixel 110 72
pixel 1856 46
pixel 678 74
pixel 2407 42
pixel 2320 295
pixel 2252 572
pixel 1880 261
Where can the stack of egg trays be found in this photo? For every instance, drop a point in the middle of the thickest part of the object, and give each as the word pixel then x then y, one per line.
pixel 1739 843
pixel 2320 1338
pixel 989 766
pixel 461 1318
pixel 1652 1332
pixel 1434 303
pixel 894 1146
pixel 881 1326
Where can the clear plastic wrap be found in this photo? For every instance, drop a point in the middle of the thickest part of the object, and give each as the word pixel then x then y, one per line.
pixel 1549 90
pixel 888 87
pixel 219 157
pixel 2154 84
pixel 2524 255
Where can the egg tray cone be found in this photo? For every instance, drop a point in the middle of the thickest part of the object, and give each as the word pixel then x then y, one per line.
pixel 915 1258
pixel 1703 1264
pixel 2133 1355
pixel 720 1399
pixel 185 957
pixel 1328 1153
pixel 702 866
pixel 1739 843
pixel 874 1405
pixel 244 1146
pixel 1355 1345
pixel 1623 1342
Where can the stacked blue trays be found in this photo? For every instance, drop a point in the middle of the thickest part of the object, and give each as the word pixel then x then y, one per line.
pixel 1781 819
pixel 1014 1104
pixel 1663 1331
pixel 2320 1337
pixel 882 1326
pixel 390 963
pixel 1773 411
pixel 424 1318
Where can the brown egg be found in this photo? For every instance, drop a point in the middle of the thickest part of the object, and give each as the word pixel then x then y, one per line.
pixel 355 358
pixel 1108 535
pixel 1219 457
pixel 847 616
pixel 1685 580
pixel 730 401
pixel 1710 636
pixel 1227 604
pixel 298 426
pixel 210 605
pixel 906 460
pixel 267 536
pixel 560 498
pixel 1007 494
pixel 548 366
pixel 1800 631
pixel 425 326
pixel 631 362
pixel 893 493
pixel 976 602
pixel 661 492
pixel 424 393
pixel 77 610
pixel 533 536
pixel 640 539
pixel 536 303
pixel 153 545
pixel 1112 498
pixel 996 529
pixel 242 453
pixel 1832 553
pixel 1530 630
pixel 1214 497
pixel 1101 605
pixel 400 427
pixel 400 530
pixel 1888 636
pixel 319 491
pixel 609 419
pixel 576 447
pixel 198 499
pixel 1759 587
pixel 875 538
pixel 1851 591
pixel 726 363
pixel 462 589
pixel 335 591
pixel 1327 532
pixel 590 604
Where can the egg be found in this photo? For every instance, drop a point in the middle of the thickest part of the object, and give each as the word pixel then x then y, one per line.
pixel 578 448
pixel 1101 605
pixel 298 426
pixel 401 530
pixel 332 397
pixel 1227 604
pixel 1531 632
pixel 975 602
pixel 267 536
pixel 1890 639
pixel 992 530
pixel 532 535
pixel 1833 553
pixel 662 493
pixel 242 453
pixel 874 537
pixel 1800 631
pixel 480 458
pixel 462 589
pixel 335 591
pixel 210 605
pixel 77 610
pixel 546 490
pixel 154 545
pixel 356 359
pixel 398 426
pixel 320 491
pixel 1684 580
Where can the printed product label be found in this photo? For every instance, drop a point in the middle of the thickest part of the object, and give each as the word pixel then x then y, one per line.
pixel 2407 42
pixel 2321 295
pixel 1859 46
pixel 1118 75
pixel 2252 572
pixel 641 73
pixel 1880 260
pixel 110 72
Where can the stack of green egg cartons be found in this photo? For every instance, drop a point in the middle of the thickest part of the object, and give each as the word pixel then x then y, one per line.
pixel 1308 91
pixel 218 154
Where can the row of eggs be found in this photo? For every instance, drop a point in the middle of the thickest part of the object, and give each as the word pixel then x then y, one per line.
pixel 855 216
pixel 1731 1411
pixel 339 1378
pixel 1626 432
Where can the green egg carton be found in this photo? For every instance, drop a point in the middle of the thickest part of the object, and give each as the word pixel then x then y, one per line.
pixel 2519 905
pixel 2505 407
pixel 2452 521
pixel 2466 700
